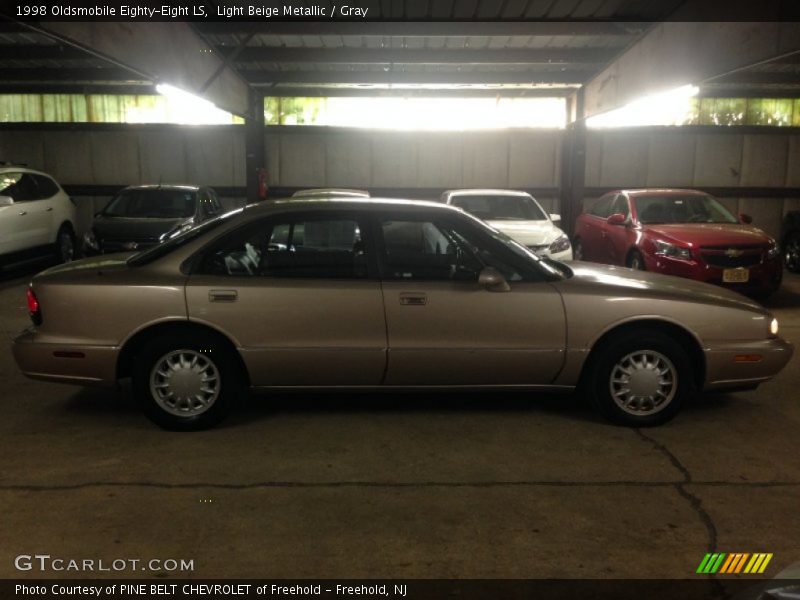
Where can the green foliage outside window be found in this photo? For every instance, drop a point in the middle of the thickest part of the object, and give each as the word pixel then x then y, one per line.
pixel 776 112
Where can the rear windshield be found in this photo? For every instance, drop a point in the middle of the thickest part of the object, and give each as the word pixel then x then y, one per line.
pixel 164 248
pixel 501 208
pixel 152 204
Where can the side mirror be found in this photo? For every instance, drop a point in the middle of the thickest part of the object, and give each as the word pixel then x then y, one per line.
pixel 616 219
pixel 6 201
pixel 555 218
pixel 492 280
pixel 746 219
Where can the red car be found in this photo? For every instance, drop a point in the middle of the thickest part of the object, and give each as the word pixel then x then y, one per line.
pixel 679 232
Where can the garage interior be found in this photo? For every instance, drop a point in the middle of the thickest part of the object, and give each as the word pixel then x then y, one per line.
pixel 424 485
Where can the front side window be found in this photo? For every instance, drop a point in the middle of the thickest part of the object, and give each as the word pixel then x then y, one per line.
pixel 19 186
pixel 438 251
pixel 292 247
pixel 152 204
pixel 500 207
pixel 620 206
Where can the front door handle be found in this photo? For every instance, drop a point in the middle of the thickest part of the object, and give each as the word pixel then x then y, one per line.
pixel 23 213
pixel 413 299
pixel 222 295
pixel 48 209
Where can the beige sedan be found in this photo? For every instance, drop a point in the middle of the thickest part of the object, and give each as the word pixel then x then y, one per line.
pixel 381 294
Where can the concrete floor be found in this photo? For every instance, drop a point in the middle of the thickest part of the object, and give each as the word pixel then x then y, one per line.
pixel 476 486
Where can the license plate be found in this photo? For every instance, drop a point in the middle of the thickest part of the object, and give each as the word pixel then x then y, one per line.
pixel 735 275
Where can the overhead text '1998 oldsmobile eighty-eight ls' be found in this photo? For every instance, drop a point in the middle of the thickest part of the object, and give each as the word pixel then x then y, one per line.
pixel 381 294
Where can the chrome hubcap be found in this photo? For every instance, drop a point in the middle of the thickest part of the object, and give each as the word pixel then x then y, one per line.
pixel 792 254
pixel 185 383
pixel 643 382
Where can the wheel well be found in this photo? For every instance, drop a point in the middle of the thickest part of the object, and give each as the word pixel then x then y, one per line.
pixel 686 340
pixel 137 342
pixel 66 225
pixel 630 253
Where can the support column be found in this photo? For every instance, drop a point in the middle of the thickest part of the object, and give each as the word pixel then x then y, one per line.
pixel 573 163
pixel 255 156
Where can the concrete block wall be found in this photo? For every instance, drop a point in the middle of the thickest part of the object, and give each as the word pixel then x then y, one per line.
pixel 693 158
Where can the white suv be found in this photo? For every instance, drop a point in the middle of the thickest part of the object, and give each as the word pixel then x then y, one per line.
pixel 518 215
pixel 37 218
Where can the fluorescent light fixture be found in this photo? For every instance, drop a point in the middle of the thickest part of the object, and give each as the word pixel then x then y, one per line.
pixel 188 109
pixel 668 108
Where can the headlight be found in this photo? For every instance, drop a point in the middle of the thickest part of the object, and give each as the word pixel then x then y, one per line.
pixel 90 240
pixel 671 250
pixel 773 327
pixel 560 244
pixel 773 249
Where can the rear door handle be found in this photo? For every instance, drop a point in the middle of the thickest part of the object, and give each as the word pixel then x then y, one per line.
pixel 413 299
pixel 23 212
pixel 222 295
pixel 48 209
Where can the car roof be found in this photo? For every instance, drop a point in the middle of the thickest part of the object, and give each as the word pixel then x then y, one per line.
pixel 164 186
pixel 341 203
pixel 6 167
pixel 660 191
pixel 330 191
pixel 487 191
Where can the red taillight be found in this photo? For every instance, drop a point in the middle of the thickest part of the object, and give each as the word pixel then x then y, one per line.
pixel 33 307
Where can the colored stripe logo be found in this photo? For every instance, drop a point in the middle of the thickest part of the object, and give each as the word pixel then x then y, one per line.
pixel 733 563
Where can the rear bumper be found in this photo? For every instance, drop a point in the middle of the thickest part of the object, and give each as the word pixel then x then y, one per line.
pixel 65 363
pixel 726 369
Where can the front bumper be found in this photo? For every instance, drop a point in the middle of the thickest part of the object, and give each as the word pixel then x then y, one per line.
pixel 65 363
pixel 762 278
pixel 732 364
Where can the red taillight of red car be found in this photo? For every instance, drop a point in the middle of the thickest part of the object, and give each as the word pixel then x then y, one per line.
pixel 34 309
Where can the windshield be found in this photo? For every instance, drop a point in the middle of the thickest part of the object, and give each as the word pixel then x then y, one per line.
pixel 164 248
pixel 673 208
pixel 501 208
pixel 156 203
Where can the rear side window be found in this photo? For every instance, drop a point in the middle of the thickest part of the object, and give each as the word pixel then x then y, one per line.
pixel 302 247
pixel 601 208
pixel 47 187
pixel 19 186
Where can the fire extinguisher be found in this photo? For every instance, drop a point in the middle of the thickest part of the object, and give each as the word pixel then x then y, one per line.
pixel 263 187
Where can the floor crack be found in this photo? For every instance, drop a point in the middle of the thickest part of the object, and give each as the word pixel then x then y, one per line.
pixel 718 588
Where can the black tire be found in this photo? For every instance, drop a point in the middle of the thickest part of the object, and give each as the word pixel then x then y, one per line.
pixel 64 246
pixel 791 252
pixel 607 364
pixel 577 250
pixel 224 380
pixel 635 261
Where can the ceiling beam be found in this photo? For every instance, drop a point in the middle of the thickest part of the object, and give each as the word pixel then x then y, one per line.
pixel 258 78
pixel 426 56
pixel 426 28
pixel 674 54
pixel 161 52
pixel 112 75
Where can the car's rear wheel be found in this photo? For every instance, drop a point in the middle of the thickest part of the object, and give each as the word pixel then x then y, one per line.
pixel 186 382
pixel 577 249
pixel 639 378
pixel 636 261
pixel 65 244
pixel 791 252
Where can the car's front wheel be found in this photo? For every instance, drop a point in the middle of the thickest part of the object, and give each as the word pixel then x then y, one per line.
pixel 186 382
pixel 640 378
pixel 791 252
pixel 636 261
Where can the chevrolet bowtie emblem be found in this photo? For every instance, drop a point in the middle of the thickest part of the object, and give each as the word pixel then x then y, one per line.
pixel 733 252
